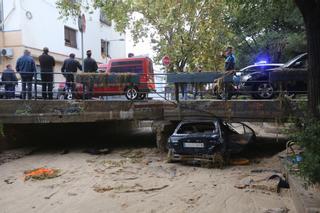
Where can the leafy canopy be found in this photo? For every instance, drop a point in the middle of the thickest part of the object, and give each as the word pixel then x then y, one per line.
pixel 191 32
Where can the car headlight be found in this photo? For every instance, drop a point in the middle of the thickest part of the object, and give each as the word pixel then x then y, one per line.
pixel 246 77
pixel 172 140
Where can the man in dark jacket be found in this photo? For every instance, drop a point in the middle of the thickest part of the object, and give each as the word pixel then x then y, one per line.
pixel 27 68
pixel 69 67
pixel 47 63
pixel 90 65
pixel 9 80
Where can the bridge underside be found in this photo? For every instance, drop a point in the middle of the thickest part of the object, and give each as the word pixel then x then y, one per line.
pixel 57 111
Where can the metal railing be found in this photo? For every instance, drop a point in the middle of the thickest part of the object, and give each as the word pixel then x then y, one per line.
pixel 147 86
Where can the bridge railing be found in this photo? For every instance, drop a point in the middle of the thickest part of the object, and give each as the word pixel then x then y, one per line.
pixel 137 86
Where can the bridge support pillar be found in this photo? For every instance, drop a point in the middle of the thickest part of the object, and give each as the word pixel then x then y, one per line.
pixel 163 130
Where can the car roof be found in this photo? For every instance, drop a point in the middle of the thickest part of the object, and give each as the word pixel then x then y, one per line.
pixel 262 65
pixel 199 121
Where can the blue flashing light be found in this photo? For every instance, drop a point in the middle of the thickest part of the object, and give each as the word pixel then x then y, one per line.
pixel 261 62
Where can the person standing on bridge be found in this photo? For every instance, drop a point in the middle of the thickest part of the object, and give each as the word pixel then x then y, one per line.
pixel 89 66
pixel 47 63
pixel 9 79
pixel 230 59
pixel 27 69
pixel 69 67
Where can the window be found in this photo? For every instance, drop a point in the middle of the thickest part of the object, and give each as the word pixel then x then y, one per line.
pixel 104 19
pixel 203 127
pixel 70 37
pixel 127 67
pixel 104 48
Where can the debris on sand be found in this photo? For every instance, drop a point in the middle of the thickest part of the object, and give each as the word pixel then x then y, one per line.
pixel 127 189
pixel 41 174
pixel 100 189
pixel 239 162
pixel 15 154
pixel 276 210
pixel 263 180
pixel 132 154
pixel 113 164
pixel 93 151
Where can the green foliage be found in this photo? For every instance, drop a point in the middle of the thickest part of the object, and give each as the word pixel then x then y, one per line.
pixel 190 32
pixel 265 26
pixel 195 32
pixel 307 135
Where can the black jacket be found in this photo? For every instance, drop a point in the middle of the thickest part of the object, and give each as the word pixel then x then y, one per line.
pixel 9 78
pixel 90 65
pixel 70 65
pixel 47 62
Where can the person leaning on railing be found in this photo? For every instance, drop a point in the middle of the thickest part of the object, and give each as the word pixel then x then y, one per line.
pixel 47 64
pixel 9 79
pixel 90 66
pixel 69 67
pixel 26 68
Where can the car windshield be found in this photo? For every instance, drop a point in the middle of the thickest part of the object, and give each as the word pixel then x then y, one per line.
pixel 197 127
pixel 289 63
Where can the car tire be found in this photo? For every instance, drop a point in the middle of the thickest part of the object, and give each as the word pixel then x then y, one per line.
pixel 264 90
pixel 131 93
pixel 142 96
pixel 218 160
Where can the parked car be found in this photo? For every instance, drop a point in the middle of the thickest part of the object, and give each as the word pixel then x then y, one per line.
pixel 208 141
pixel 233 88
pixel 259 84
pixel 141 66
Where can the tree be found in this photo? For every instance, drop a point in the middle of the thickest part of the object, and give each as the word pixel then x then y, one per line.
pixel 271 29
pixel 310 10
pixel 190 32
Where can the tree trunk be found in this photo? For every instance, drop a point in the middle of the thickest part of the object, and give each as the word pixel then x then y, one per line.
pixel 310 10
pixel 313 37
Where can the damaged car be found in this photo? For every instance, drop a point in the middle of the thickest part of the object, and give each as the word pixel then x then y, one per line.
pixel 209 142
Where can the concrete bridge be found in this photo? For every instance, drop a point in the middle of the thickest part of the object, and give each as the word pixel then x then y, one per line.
pixel 17 115
pixel 57 111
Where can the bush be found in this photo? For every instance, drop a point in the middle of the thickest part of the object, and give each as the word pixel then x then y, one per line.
pixel 307 135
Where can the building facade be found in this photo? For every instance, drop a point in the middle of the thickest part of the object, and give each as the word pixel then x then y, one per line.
pixel 34 24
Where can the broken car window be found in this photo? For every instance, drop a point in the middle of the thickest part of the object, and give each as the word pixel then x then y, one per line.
pixel 200 127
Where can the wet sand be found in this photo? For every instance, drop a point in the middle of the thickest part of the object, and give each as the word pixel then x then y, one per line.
pixel 132 180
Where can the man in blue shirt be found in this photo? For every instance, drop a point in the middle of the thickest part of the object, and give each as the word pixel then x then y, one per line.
pixel 230 59
pixel 27 68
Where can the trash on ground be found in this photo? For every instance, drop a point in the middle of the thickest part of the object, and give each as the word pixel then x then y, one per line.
pixel 93 151
pixel 264 180
pixel 127 189
pixel 132 154
pixel 239 162
pixel 276 210
pixel 41 174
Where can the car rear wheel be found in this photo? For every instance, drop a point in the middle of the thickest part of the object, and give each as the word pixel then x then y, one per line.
pixel 264 91
pixel 131 93
pixel 142 96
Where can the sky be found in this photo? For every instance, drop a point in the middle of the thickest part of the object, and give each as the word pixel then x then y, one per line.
pixel 142 48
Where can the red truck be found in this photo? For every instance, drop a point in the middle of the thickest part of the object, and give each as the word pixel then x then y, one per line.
pixel 141 66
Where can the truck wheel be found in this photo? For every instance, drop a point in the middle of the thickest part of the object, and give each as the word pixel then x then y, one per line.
pixel 131 93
